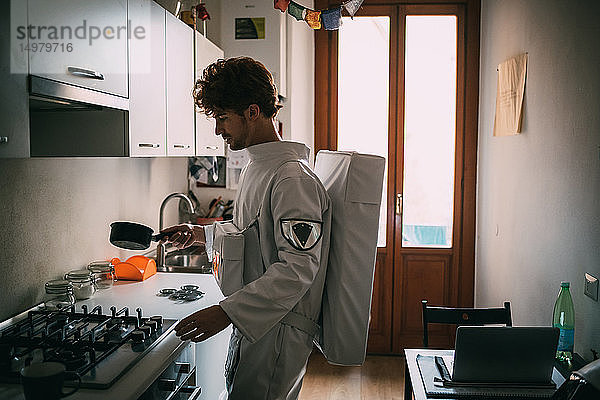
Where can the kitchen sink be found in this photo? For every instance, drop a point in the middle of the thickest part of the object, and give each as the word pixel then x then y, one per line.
pixel 185 260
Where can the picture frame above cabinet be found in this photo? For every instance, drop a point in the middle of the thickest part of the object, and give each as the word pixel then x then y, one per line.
pixel 207 142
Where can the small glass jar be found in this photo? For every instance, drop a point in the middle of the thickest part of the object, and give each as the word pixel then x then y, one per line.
pixel 103 273
pixel 84 286
pixel 59 295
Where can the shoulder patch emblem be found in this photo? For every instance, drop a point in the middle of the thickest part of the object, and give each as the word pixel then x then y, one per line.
pixel 302 234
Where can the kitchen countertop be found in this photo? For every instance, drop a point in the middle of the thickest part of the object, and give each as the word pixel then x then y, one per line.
pixel 210 354
pixel 144 294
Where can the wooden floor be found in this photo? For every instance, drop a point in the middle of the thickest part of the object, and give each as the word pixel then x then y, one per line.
pixel 380 378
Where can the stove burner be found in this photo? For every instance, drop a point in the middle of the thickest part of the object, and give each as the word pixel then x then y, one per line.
pixel 71 359
pixel 115 322
pixel 60 319
pixel 95 345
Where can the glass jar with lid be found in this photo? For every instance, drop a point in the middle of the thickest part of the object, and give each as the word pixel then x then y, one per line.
pixel 59 294
pixel 103 273
pixel 83 282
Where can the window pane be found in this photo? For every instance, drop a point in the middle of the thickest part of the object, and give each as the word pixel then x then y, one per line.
pixel 363 93
pixel 429 131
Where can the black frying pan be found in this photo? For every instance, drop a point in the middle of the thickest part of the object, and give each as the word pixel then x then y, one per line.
pixel 132 236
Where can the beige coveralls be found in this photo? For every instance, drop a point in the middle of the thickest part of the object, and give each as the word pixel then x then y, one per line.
pixel 267 358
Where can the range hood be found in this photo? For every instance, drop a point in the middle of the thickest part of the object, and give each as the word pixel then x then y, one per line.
pixel 53 90
pixel 71 121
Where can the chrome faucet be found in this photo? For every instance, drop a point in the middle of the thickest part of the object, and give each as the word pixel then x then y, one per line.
pixel 161 248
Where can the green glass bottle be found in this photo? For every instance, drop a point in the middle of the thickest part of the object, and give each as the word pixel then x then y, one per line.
pixel 564 319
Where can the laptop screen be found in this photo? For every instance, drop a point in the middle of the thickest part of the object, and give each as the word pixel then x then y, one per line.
pixel 504 354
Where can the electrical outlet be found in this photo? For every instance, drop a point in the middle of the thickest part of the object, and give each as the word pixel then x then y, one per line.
pixel 591 287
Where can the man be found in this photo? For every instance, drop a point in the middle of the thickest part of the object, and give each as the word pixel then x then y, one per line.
pixel 268 352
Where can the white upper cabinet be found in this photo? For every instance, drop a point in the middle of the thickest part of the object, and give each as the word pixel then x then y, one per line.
pixel 147 81
pixel 80 42
pixel 180 83
pixel 14 104
pixel 207 143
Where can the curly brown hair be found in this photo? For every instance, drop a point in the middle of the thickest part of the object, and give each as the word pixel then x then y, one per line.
pixel 234 84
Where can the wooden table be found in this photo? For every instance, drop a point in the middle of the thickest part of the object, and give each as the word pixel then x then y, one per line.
pixel 413 385
pixel 412 377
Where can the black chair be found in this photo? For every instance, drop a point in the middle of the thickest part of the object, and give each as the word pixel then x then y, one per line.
pixel 463 316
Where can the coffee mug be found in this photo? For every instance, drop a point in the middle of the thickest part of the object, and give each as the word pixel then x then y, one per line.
pixel 44 381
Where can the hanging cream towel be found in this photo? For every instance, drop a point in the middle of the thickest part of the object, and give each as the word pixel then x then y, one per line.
pixel 509 96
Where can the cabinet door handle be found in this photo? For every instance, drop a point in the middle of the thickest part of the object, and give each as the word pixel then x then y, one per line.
pixel 153 145
pixel 212 147
pixel 181 146
pixel 85 73
pixel 399 204
pixel 3 139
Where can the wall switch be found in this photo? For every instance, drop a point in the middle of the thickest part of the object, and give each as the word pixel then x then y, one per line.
pixel 591 287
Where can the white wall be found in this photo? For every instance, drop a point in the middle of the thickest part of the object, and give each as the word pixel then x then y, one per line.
pixel 538 206
pixel 297 114
pixel 55 215
pixel 213 25
pixel 298 111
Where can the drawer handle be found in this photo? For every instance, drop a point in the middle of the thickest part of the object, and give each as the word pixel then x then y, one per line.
pixel 85 73
pixel 167 385
pixel 212 147
pixel 194 390
pixel 153 145
pixel 181 146
pixel 3 139
pixel 183 367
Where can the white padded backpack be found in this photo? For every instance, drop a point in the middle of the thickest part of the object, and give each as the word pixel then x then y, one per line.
pixel 354 184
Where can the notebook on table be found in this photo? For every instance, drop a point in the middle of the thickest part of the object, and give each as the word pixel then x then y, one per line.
pixel 494 362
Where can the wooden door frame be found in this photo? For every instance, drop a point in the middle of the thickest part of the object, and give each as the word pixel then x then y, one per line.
pixel 326 133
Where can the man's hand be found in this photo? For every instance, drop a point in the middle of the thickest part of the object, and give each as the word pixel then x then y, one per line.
pixel 202 324
pixel 184 235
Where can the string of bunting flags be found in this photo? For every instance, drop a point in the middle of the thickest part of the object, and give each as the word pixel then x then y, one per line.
pixel 329 19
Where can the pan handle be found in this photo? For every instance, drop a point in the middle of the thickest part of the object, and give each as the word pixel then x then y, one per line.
pixel 159 236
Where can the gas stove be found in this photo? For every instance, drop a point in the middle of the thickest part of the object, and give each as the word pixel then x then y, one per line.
pixel 99 347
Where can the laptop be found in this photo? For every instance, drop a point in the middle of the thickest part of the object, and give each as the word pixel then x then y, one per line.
pixel 501 356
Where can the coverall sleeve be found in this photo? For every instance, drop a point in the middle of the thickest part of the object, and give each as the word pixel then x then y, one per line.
pixel 261 304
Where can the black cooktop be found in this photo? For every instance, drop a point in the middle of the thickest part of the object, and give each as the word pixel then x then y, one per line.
pixel 99 347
